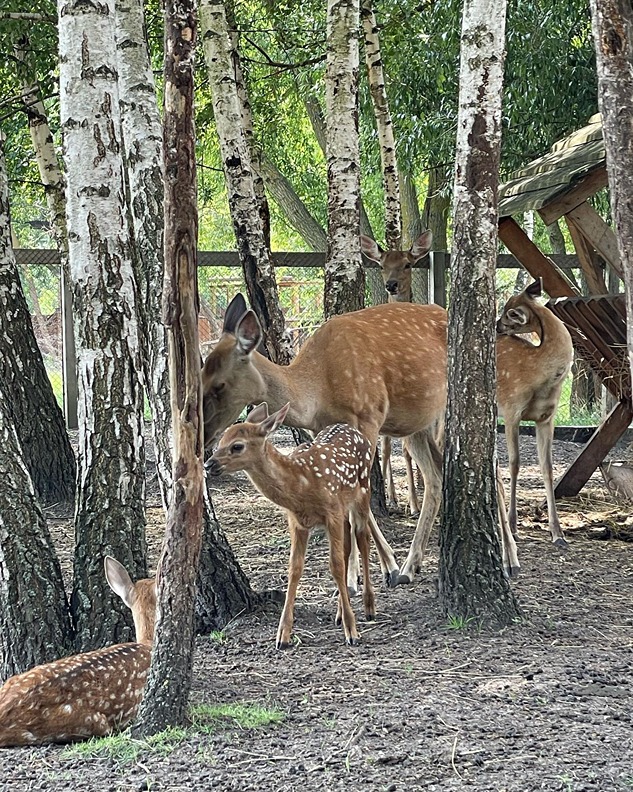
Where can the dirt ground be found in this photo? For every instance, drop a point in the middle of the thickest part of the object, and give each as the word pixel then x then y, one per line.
pixel 420 704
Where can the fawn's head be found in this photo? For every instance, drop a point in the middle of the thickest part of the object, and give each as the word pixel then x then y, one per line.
pixel 395 265
pixel 230 381
pixel 519 314
pixel 140 597
pixel 242 445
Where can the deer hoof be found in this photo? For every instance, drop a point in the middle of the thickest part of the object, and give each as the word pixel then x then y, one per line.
pixel 370 616
pixel 414 513
pixel 283 644
pixel 392 578
pixel 404 580
pixel 352 591
pixel 561 543
pixel 353 640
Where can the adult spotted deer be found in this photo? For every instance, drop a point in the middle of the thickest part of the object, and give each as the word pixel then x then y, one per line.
pixel 395 268
pixel 319 486
pixel 89 694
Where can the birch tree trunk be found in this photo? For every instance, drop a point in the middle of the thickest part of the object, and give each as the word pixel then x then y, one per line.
pixel 471 579
pixel 384 125
pixel 111 481
pixel 344 275
pixel 259 272
pixel 33 407
pixel 169 681
pixel 143 151
pixel 34 616
pixel 612 22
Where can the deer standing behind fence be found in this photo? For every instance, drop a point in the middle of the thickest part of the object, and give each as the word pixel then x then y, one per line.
pixel 319 486
pixel 86 695
pixel 395 268
pixel 381 370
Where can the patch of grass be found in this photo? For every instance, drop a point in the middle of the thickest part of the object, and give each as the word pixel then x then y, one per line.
pixel 454 622
pixel 209 718
pixel 123 748
pixel 219 637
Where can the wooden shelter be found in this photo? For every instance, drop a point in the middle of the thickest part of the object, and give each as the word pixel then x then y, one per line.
pixel 557 186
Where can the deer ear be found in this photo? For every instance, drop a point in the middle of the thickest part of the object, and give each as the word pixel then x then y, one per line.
pixel 235 310
pixel 370 248
pixel 248 333
pixel 119 580
pixel 275 420
pixel 258 414
pixel 421 246
pixel 535 289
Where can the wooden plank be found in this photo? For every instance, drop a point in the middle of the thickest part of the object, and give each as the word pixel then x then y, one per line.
pixel 538 265
pixel 587 259
pixel 599 445
pixel 598 234
pixel 595 180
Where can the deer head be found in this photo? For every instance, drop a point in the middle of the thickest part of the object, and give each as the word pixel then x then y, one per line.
pixel 519 315
pixel 241 447
pixel 395 265
pixel 229 380
pixel 140 597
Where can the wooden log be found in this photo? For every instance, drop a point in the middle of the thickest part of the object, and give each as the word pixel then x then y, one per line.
pixel 587 259
pixel 594 181
pixel 599 234
pixel 601 442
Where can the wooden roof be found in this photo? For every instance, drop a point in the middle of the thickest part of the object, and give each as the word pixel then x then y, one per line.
pixel 568 162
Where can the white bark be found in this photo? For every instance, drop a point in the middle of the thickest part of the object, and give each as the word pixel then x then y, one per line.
pixel 612 22
pixel 110 504
pixel 384 125
pixel 251 239
pixel 344 280
pixel 143 147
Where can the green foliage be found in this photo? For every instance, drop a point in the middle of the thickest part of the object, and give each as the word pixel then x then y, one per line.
pixel 210 718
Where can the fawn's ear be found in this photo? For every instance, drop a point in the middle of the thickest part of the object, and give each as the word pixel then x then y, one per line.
pixel 421 246
pixel 234 312
pixel 119 580
pixel 258 414
pixel 275 420
pixel 535 289
pixel 248 333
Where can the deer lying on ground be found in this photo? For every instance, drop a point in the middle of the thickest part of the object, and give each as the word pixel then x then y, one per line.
pixel 319 486
pixel 381 370
pixel 395 268
pixel 86 695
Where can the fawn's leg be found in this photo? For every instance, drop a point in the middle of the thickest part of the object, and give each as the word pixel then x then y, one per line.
pixel 414 505
pixel 511 564
pixel 359 516
pixel 298 545
pixel 512 441
pixel 335 529
pixel 387 473
pixel 544 437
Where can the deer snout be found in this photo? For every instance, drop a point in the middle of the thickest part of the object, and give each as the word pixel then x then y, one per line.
pixel 391 286
pixel 213 467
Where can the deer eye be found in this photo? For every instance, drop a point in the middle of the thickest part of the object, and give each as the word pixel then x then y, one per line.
pixel 407 266
pixel 237 448
pixel 217 389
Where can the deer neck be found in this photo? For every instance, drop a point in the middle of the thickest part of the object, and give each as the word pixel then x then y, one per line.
pixel 551 329
pixel 283 384
pixel 275 476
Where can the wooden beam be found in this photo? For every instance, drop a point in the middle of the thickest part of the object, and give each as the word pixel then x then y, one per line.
pixel 538 265
pixel 587 259
pixel 594 181
pixel 599 445
pixel 598 234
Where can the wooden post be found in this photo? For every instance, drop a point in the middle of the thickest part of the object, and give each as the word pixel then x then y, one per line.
pixel 437 277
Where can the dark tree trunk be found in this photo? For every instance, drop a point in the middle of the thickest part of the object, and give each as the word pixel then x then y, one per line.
pixel 471 578
pixel 34 618
pixel 169 682
pixel 436 208
pixel 35 413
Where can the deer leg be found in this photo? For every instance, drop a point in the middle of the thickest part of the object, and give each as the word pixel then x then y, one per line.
pixel 544 438
pixel 427 455
pixel 414 505
pixel 388 563
pixel 345 613
pixel 359 515
pixel 387 473
pixel 353 564
pixel 511 564
pixel 298 545
pixel 512 442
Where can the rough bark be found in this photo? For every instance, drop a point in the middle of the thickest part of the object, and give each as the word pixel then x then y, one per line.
pixel 259 272
pixel 344 274
pixel 109 515
pixel 471 579
pixel 315 114
pixel 556 238
pixel 612 22
pixel 411 229
pixel 169 681
pixel 295 211
pixel 142 133
pixel 384 125
pixel 35 413
pixel 34 617
pixel 436 208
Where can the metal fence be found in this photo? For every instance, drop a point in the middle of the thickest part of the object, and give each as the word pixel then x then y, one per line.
pixel 300 285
